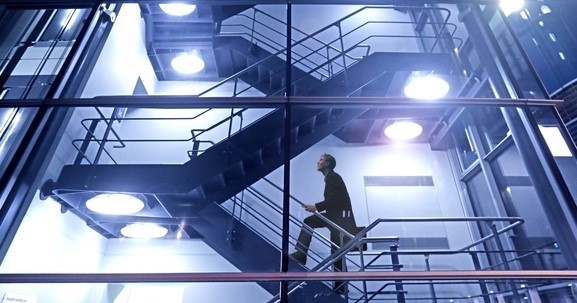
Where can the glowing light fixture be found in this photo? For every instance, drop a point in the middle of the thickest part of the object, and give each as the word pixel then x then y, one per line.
pixel 428 87
pixel 188 63
pixel 510 6
pixel 144 231
pixel 545 9
pixel 403 130
pixel 177 9
pixel 115 204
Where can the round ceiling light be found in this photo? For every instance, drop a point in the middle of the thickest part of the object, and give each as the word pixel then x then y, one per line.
pixel 403 130
pixel 177 9
pixel 187 63
pixel 115 204
pixel 429 87
pixel 510 6
pixel 144 231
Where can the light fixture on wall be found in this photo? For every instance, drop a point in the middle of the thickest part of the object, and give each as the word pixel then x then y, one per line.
pixel 177 9
pixel 144 231
pixel 426 87
pixel 188 63
pixel 115 204
pixel 403 130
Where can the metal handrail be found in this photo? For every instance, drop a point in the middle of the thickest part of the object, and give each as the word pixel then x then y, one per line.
pixel 108 121
pixel 300 41
pixel 347 247
pixel 359 44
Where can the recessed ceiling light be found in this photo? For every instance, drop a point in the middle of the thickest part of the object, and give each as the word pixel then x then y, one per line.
pixel 144 231
pixel 510 6
pixel 428 87
pixel 177 9
pixel 115 204
pixel 403 130
pixel 187 63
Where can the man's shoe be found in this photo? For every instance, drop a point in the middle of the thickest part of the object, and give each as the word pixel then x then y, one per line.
pixel 299 257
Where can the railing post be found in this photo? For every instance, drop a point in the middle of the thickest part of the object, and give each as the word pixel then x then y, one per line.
pixel 504 261
pixel 397 267
pixel 482 285
pixel 101 147
pixel 343 55
pixel 431 286
pixel 252 27
pixel 86 142
pixel 362 261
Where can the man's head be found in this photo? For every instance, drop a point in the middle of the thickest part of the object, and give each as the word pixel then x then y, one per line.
pixel 326 162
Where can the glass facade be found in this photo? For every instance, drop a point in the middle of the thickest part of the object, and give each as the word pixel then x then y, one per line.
pixel 153 155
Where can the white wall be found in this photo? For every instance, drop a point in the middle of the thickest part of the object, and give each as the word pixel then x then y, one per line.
pixel 174 256
pixel 123 58
pixel 50 242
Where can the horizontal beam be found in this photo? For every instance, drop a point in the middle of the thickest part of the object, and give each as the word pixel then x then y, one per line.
pixel 457 275
pixel 271 102
pixel 88 3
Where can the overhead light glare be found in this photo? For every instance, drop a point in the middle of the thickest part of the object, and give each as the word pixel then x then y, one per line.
pixel 115 204
pixel 428 87
pixel 188 63
pixel 144 231
pixel 403 130
pixel 510 6
pixel 545 9
pixel 177 9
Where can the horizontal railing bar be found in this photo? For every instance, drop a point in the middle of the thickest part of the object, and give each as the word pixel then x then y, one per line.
pixel 464 275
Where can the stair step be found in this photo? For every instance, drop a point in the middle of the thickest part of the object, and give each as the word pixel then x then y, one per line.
pixel 272 150
pixel 215 183
pixel 236 171
pixel 308 127
pixel 323 117
pixel 253 161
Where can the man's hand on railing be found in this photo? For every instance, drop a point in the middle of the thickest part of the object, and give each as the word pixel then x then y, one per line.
pixel 310 208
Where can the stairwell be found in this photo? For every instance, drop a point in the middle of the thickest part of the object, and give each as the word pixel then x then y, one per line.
pixel 193 190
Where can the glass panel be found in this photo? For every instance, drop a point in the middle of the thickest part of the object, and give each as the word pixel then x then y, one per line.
pixel 376 50
pixel 213 51
pixel 34 47
pixel 137 292
pixel 560 145
pixel 520 200
pixel 545 32
pixel 12 123
pixel 522 70
pixel 408 209
pixel 407 196
pixel 128 184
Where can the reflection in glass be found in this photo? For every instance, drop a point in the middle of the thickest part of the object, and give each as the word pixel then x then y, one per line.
pixel 464 145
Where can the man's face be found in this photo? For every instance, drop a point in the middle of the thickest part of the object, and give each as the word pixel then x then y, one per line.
pixel 322 164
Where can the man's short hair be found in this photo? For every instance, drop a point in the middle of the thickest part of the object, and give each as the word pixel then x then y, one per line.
pixel 330 160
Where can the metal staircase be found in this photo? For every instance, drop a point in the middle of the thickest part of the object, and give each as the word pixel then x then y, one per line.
pixel 188 195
